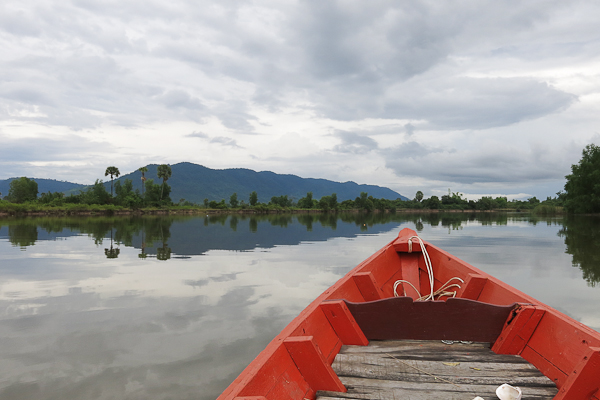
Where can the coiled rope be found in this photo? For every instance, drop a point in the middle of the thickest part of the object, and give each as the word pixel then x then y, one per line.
pixel 441 292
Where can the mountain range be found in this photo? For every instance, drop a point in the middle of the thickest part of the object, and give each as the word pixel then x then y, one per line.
pixel 195 183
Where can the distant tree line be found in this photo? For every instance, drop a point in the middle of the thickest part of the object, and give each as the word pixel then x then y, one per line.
pixel 451 201
pixel 24 190
pixel 457 201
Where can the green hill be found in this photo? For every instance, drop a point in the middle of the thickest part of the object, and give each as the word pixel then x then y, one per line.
pixel 195 183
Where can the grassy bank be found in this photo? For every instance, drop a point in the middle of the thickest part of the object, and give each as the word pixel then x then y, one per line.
pixel 34 208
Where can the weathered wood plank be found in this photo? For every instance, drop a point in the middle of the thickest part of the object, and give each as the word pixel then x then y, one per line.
pixel 427 369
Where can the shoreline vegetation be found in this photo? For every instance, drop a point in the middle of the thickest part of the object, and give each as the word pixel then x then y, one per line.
pixel 278 205
pixel 23 200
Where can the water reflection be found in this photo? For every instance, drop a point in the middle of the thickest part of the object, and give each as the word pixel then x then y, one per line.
pixel 152 234
pixel 23 232
pixel 76 324
pixel 23 235
pixel 193 235
pixel 582 240
pixel 154 238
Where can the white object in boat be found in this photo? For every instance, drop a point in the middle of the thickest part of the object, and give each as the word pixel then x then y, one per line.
pixel 507 392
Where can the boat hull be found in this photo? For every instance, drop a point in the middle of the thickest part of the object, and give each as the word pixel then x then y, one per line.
pixel 297 362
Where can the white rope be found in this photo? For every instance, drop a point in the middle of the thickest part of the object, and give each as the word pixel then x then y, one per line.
pixel 441 292
pixel 399 282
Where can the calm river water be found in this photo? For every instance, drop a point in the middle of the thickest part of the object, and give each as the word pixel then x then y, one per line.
pixel 176 307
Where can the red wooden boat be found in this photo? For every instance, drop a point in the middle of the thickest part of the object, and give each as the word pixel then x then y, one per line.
pixel 468 305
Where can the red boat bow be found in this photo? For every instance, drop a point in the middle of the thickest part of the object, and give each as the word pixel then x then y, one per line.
pixel 297 363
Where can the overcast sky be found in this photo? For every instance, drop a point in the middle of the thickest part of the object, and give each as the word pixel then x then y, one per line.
pixel 478 97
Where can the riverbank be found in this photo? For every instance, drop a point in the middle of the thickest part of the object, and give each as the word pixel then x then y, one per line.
pixel 175 210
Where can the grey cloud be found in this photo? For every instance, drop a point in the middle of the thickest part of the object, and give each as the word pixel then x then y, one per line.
pixel 222 140
pixel 27 95
pixel 401 40
pixel 455 103
pixel 225 141
pixel 49 149
pixel 377 41
pixel 199 135
pixel 348 60
pixel 354 143
pixel 413 150
pixel 69 91
pixel 237 121
pixel 234 115
pixel 17 22
pixel 484 103
pixel 492 163
pixel 183 52
pixel 327 33
pixel 377 60
pixel 180 99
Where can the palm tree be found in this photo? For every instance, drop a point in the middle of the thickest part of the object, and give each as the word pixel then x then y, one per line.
pixel 112 171
pixel 143 170
pixel 164 172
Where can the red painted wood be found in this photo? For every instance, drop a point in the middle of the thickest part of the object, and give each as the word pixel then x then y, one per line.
pixel 446 265
pixel 317 325
pixel 286 389
pixel 410 272
pixel 496 293
pixel 343 323
pixel 277 372
pixel 584 379
pixel 251 398
pixel 334 352
pixel 382 268
pixel 312 364
pixel 562 341
pixel 348 290
pixel 401 243
pixel 550 370
pixel 518 330
pixel 367 286
pixel 387 286
pixel 473 286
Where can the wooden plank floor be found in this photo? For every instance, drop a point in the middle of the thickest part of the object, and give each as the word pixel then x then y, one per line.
pixel 416 370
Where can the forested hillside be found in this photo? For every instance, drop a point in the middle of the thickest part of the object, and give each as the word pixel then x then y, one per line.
pixel 195 183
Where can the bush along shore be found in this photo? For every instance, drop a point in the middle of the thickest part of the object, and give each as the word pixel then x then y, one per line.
pixel 374 205
pixel 23 199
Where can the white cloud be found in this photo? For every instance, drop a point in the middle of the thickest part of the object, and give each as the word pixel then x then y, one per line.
pixel 418 95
